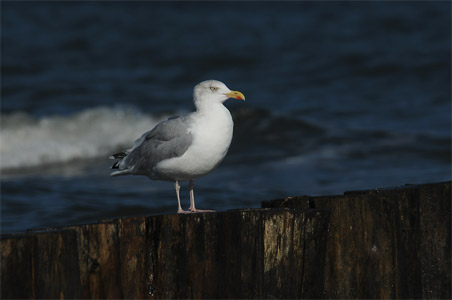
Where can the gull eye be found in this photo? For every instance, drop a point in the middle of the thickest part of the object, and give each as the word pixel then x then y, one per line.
pixel 213 89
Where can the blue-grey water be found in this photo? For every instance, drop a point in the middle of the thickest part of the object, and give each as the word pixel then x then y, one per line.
pixel 340 96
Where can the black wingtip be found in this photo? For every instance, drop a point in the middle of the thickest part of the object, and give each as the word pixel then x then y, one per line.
pixel 118 155
pixel 116 165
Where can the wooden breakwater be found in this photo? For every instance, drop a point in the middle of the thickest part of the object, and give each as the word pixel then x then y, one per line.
pixel 392 243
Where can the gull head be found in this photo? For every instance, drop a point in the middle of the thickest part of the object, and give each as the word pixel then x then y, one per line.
pixel 214 91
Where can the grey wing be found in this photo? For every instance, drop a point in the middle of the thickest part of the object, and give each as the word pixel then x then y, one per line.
pixel 168 139
pixel 126 152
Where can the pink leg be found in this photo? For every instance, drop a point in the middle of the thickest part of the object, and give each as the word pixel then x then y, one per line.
pixel 179 208
pixel 192 201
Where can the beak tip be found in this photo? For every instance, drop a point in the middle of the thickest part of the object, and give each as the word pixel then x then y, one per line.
pixel 236 95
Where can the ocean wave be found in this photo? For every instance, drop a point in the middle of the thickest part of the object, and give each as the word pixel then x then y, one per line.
pixel 260 136
pixel 26 141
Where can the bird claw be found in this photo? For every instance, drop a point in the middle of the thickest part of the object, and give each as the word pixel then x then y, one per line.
pixel 200 210
pixel 193 211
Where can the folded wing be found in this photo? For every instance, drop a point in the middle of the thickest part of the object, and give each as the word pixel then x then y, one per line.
pixel 168 139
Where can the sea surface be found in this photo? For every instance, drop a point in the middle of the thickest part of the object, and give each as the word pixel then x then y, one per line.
pixel 339 96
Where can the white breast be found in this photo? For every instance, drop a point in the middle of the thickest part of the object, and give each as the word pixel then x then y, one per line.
pixel 212 134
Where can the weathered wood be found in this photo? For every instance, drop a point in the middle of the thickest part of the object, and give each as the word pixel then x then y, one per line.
pixel 392 243
pixel 369 244
pixel 133 257
pixel 435 240
pixel 17 266
pixel 99 260
pixel 56 263
pixel 235 254
pixel 40 266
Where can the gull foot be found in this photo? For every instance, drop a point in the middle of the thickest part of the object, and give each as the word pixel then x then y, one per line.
pixel 181 211
pixel 200 210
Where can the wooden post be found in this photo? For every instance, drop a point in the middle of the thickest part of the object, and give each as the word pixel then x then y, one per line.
pixel 237 254
pixel 392 243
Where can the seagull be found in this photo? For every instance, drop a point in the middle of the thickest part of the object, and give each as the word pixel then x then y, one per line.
pixel 183 148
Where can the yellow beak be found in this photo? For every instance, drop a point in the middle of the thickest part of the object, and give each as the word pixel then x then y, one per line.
pixel 236 95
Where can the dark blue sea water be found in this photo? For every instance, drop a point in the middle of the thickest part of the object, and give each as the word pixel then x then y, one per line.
pixel 340 96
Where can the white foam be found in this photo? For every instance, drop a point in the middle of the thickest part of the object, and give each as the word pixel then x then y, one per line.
pixel 29 142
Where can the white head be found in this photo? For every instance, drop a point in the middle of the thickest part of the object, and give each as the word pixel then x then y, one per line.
pixel 213 91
